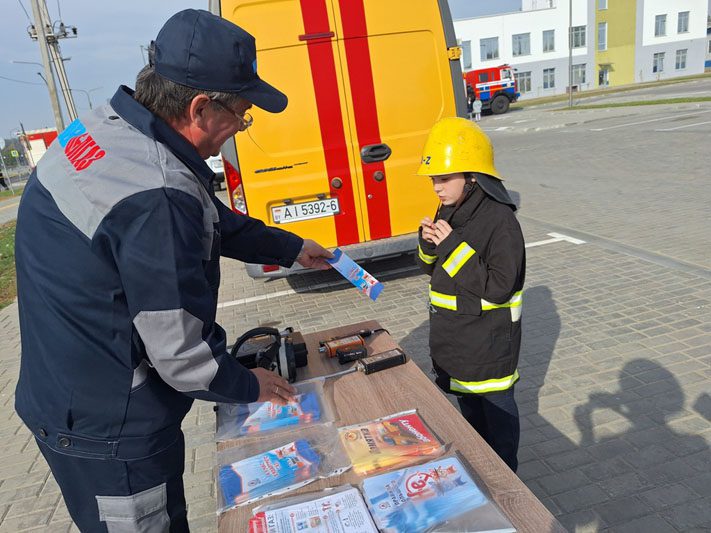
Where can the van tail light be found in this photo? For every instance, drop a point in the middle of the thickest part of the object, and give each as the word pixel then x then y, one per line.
pixel 234 185
pixel 270 268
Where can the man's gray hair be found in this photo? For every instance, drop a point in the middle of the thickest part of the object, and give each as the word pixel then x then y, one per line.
pixel 170 100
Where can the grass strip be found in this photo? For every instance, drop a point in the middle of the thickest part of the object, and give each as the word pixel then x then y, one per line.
pixel 8 285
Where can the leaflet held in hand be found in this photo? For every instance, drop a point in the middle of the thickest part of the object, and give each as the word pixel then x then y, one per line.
pixel 356 274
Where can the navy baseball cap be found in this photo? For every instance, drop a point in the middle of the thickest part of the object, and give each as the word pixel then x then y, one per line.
pixel 203 51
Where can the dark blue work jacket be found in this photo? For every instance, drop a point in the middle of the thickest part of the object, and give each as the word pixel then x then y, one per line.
pixel 117 249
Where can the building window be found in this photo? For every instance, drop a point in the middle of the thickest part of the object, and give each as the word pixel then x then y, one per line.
pixel 602 4
pixel 489 48
pixel 467 54
pixel 681 59
pixel 660 25
pixel 682 25
pixel 579 74
pixel 548 78
pixel 524 82
pixel 521 44
pixel 549 40
pixel 578 33
pixel 602 36
pixel 658 65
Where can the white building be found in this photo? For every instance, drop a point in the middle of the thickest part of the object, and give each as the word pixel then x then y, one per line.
pixel 613 43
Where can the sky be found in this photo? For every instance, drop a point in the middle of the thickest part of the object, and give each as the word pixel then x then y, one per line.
pixel 106 53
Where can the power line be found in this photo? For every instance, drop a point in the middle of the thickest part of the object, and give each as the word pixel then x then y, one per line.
pixel 23 9
pixel 20 81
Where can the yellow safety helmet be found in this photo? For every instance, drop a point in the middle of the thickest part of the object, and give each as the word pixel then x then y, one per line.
pixel 457 145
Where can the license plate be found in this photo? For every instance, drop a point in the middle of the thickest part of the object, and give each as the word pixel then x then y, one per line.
pixel 283 214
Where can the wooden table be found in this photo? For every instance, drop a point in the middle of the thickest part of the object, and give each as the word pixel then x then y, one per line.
pixel 359 398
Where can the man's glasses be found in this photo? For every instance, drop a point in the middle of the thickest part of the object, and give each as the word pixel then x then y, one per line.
pixel 245 120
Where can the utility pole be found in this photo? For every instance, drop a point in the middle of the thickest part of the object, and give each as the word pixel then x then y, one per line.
pixel 570 53
pixel 56 55
pixel 42 40
pixel 43 31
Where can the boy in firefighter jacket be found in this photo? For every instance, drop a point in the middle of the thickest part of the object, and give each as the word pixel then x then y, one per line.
pixel 474 252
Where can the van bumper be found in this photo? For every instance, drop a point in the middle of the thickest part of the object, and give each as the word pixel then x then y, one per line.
pixel 362 252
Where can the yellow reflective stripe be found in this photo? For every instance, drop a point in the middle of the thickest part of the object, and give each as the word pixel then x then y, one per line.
pixel 515 301
pixel 443 300
pixel 428 259
pixel 490 385
pixel 457 258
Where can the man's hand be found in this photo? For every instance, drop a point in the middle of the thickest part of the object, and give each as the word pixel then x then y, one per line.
pixel 273 388
pixel 440 229
pixel 313 255
pixel 427 229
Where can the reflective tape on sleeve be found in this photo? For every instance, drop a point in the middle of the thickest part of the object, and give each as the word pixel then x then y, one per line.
pixel 427 259
pixel 457 259
pixel 480 387
pixel 515 304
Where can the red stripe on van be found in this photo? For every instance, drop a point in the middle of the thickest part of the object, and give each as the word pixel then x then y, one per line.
pixel 330 117
pixel 360 72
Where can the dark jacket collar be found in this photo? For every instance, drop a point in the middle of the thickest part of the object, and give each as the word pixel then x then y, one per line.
pixel 459 215
pixel 157 129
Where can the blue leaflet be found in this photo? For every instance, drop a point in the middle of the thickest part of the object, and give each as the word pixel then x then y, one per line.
pixel 268 472
pixel 421 497
pixel 356 274
pixel 258 417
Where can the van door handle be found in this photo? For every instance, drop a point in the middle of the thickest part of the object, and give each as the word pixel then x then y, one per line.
pixel 375 152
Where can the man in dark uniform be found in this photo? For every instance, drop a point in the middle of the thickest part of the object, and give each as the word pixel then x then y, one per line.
pixel 118 241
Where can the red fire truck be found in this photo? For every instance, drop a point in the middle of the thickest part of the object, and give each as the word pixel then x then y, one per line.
pixel 496 87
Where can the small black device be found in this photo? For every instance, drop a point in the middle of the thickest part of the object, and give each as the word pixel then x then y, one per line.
pixel 348 355
pixel 279 351
pixel 381 361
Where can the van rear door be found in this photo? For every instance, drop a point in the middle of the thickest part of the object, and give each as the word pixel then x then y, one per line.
pixel 366 79
pixel 399 81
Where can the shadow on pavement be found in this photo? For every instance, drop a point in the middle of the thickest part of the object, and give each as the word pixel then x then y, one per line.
pixel 634 469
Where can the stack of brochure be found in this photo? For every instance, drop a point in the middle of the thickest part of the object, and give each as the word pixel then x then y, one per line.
pixel 339 510
pixel 272 472
pixel 391 442
pixel 436 496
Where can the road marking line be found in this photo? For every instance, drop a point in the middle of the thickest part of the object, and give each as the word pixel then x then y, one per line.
pixel 687 126
pixel 648 121
pixel 557 237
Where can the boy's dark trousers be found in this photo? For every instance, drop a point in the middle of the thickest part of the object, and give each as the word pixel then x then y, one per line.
pixel 148 494
pixel 494 416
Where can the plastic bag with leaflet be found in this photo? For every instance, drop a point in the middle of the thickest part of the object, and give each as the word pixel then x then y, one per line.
pixel 310 407
pixel 390 442
pixel 437 496
pixel 266 466
pixel 339 509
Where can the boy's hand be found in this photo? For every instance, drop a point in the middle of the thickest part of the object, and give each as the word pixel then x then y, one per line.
pixel 440 230
pixel 427 229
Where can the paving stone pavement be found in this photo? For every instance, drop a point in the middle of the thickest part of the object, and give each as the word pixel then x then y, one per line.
pixel 614 391
pixel 616 355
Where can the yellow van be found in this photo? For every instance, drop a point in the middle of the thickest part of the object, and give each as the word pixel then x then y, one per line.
pixel 366 80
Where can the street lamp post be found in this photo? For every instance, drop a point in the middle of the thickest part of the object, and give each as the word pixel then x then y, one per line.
pixel 86 92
